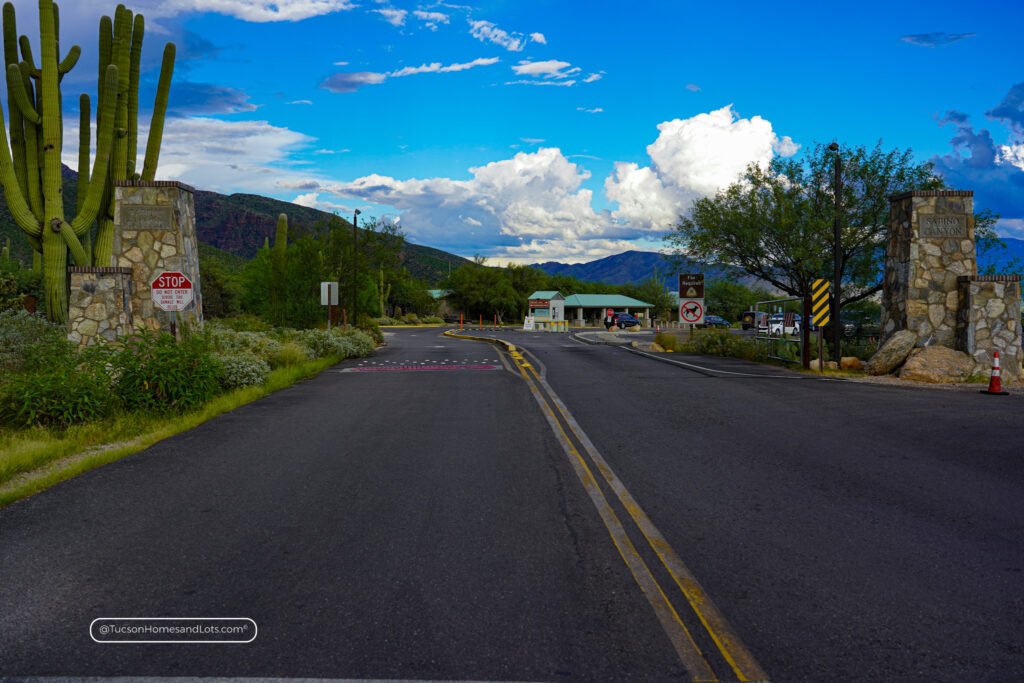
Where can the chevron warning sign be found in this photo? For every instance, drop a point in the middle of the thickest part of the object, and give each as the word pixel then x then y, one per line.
pixel 820 292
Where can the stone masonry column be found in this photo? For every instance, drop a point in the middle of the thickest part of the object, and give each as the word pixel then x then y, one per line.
pixel 930 245
pixel 990 307
pixel 154 232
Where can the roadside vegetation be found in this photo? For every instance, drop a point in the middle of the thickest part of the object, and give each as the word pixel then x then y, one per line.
pixel 57 399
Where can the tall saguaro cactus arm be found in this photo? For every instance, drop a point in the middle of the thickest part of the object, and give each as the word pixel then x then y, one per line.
pixel 92 203
pixel 156 126
pixel 22 214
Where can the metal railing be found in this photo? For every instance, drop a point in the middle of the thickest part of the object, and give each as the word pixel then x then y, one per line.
pixel 772 343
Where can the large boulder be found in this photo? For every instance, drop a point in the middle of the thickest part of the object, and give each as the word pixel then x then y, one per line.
pixel 892 353
pixel 851 363
pixel 937 365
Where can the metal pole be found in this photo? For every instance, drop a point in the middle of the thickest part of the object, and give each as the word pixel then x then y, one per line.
pixel 837 254
pixel 355 266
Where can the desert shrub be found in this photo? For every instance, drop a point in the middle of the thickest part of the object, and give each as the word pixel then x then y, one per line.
pixel 432 320
pixel 29 342
pixel 323 343
pixel 712 342
pixel 71 390
pixel 227 341
pixel 361 343
pixel 861 347
pixel 368 325
pixel 156 373
pixel 669 342
pixel 289 353
pixel 410 319
pixel 241 370
pixel 385 320
pixel 246 323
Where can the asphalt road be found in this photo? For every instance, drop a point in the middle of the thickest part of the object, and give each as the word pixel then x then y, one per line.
pixel 403 519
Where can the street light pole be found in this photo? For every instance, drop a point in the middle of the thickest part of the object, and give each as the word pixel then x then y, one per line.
pixel 837 255
pixel 355 266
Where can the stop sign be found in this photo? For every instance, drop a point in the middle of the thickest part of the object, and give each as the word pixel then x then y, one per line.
pixel 172 291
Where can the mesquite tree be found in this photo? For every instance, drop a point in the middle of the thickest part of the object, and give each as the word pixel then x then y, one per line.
pixel 30 164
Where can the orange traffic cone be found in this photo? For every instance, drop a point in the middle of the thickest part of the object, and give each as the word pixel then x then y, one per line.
pixel 995 384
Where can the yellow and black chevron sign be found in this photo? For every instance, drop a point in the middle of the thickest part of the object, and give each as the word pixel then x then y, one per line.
pixel 820 290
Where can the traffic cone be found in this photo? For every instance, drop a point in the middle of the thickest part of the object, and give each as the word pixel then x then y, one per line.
pixel 995 383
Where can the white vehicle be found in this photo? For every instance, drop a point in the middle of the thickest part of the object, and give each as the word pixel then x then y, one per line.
pixel 778 328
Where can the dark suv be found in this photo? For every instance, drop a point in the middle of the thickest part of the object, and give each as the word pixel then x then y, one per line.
pixel 624 320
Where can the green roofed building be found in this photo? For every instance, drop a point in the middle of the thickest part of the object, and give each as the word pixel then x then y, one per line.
pixel 588 309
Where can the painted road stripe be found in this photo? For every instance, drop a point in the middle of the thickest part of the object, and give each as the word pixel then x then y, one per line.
pixel 732 649
pixel 736 655
pixel 682 641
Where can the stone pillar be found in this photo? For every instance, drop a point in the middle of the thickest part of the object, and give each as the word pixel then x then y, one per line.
pixel 100 304
pixel 154 232
pixel 930 245
pixel 989 320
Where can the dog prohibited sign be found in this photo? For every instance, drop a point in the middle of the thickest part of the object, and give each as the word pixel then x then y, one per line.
pixel 172 291
pixel 691 311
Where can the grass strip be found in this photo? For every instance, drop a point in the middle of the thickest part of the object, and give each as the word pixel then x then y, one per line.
pixel 34 460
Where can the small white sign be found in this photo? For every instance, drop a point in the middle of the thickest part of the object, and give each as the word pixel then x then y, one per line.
pixel 328 293
pixel 691 311
pixel 528 323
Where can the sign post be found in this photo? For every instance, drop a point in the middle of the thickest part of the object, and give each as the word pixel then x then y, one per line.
pixel 329 298
pixel 691 299
pixel 820 295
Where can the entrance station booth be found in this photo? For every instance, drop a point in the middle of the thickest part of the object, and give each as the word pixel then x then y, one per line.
pixel 547 308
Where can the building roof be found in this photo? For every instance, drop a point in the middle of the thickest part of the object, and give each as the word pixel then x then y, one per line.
pixel 617 301
pixel 439 293
pixel 546 294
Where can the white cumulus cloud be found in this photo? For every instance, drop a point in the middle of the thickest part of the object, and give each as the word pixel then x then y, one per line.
pixel 395 17
pixel 437 67
pixel 489 32
pixel 431 19
pixel 691 158
pixel 539 38
pixel 532 196
pixel 551 68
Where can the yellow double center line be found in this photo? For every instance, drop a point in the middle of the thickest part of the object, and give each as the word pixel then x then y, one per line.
pixel 732 650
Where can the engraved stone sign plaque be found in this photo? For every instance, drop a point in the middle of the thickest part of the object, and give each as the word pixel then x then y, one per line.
pixel 142 217
pixel 943 226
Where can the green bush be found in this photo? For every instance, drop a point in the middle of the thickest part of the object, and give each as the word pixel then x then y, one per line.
pixel 362 344
pixel 290 353
pixel 410 319
pixel 712 342
pixel 28 342
pixel 156 373
pixel 225 340
pixel 246 323
pixel 71 390
pixel 669 342
pixel 432 320
pixel 241 370
pixel 385 320
pixel 368 325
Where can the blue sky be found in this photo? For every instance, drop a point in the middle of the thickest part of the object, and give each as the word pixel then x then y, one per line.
pixel 532 130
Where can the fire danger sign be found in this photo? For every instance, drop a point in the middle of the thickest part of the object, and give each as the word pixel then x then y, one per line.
pixel 691 311
pixel 172 291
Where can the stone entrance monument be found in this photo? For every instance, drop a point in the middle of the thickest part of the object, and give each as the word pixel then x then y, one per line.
pixel 154 232
pixel 932 287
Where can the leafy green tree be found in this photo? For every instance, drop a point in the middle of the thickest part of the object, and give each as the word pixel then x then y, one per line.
pixel 255 279
pixel 730 299
pixel 776 223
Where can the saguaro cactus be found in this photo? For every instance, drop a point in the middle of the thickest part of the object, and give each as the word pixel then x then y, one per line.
pixel 279 272
pixel 30 163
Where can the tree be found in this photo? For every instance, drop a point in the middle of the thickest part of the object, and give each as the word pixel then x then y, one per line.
pixel 776 223
pixel 730 299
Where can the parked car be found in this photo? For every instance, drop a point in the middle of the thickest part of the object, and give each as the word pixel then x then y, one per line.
pixel 777 326
pixel 624 320
pixel 754 319
pixel 715 321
